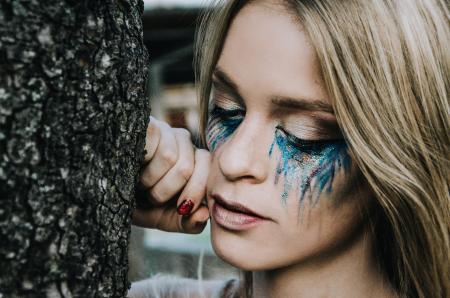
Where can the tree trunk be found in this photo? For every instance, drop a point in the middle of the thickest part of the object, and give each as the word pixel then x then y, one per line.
pixel 73 114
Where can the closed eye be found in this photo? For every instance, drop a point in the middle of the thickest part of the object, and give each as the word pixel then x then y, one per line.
pixel 308 146
pixel 227 113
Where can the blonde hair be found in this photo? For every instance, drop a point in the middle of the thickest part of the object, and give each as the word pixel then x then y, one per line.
pixel 386 65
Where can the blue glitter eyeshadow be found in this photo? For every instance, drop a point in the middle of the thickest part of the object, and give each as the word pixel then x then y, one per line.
pixel 301 163
pixel 221 125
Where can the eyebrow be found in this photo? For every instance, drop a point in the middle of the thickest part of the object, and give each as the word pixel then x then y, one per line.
pixel 224 82
pixel 302 104
pixel 227 84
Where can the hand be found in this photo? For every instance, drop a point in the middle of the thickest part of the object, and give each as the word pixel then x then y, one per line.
pixel 175 173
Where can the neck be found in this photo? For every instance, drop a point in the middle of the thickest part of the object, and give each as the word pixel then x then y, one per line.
pixel 346 272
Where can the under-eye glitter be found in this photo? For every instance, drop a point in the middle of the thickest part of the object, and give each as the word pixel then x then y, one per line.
pixel 303 164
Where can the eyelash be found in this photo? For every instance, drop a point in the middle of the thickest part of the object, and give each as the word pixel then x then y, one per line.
pixel 227 114
pixel 306 146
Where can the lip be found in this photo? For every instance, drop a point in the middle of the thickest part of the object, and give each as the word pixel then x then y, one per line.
pixel 234 216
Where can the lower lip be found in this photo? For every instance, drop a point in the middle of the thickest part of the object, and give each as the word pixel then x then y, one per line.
pixel 232 220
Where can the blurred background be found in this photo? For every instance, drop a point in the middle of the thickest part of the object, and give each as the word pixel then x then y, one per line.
pixel 169 29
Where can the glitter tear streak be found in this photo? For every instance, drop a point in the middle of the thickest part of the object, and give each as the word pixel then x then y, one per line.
pixel 301 168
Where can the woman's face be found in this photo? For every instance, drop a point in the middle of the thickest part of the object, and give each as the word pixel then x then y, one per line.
pixel 277 149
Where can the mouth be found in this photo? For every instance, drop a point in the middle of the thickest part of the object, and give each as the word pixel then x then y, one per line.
pixel 234 216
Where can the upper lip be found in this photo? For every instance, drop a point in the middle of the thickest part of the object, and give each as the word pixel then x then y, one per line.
pixel 235 206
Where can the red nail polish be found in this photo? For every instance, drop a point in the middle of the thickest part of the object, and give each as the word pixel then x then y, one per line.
pixel 185 207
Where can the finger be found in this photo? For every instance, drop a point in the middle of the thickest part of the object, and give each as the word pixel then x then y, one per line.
pixel 165 157
pixel 195 189
pixel 196 222
pixel 177 177
pixel 152 138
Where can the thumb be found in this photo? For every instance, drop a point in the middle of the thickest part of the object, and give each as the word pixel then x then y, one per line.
pixel 196 222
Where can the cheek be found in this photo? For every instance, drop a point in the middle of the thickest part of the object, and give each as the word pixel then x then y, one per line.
pixel 320 227
pixel 308 174
pixel 324 228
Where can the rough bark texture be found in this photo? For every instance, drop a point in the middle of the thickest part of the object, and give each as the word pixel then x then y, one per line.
pixel 73 114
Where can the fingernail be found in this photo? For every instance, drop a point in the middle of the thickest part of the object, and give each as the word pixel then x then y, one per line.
pixel 185 207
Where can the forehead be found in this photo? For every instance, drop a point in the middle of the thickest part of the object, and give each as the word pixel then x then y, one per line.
pixel 266 51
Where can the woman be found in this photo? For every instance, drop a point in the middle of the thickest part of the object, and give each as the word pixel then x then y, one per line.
pixel 328 133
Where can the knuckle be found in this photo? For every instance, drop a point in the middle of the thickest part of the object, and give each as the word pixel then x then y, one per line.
pixel 153 125
pixel 155 196
pixel 154 121
pixel 183 132
pixel 185 170
pixel 203 154
pixel 169 156
pixel 200 190
pixel 145 181
pixel 153 132
pixel 165 125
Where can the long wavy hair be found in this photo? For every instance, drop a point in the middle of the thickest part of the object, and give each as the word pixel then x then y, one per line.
pixel 386 66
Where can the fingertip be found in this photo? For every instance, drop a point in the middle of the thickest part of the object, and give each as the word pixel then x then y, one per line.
pixel 201 214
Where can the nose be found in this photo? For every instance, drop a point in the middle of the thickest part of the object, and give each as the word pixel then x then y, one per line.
pixel 246 154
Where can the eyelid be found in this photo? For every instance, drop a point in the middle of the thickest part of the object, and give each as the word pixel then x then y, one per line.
pixel 309 144
pixel 296 139
pixel 307 124
pixel 226 89
pixel 223 100
pixel 313 131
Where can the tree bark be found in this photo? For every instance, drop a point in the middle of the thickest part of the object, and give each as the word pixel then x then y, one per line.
pixel 73 114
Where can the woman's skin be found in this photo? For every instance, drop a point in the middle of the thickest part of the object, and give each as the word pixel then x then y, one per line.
pixel 311 238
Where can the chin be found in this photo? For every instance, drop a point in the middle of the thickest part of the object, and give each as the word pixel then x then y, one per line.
pixel 240 251
pixel 235 259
